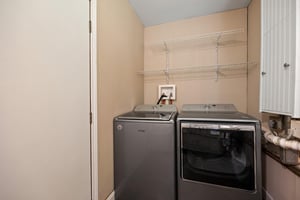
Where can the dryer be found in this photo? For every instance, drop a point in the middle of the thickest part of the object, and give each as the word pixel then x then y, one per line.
pixel 144 153
pixel 218 153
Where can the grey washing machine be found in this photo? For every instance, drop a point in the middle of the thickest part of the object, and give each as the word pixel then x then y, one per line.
pixel 218 153
pixel 144 153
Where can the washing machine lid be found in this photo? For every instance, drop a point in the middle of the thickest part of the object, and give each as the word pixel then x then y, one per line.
pixel 155 108
pixel 160 112
pixel 158 116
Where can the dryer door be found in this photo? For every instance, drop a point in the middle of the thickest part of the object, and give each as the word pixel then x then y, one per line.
pixel 221 154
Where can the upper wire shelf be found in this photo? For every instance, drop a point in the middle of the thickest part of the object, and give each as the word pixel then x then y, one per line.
pixel 210 40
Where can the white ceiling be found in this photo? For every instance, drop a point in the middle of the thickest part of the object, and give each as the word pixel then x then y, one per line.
pixel 153 12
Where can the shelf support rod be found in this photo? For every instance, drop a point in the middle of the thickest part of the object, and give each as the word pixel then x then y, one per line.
pixel 167 73
pixel 217 56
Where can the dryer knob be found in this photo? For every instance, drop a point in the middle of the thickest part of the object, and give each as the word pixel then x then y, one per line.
pixel 119 127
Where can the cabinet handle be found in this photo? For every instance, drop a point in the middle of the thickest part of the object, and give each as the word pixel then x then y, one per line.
pixel 285 65
pixel 263 73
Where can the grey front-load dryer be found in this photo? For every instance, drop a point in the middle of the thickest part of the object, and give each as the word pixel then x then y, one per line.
pixel 219 153
pixel 144 153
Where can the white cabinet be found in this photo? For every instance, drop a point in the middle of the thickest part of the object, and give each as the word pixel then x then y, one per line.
pixel 280 54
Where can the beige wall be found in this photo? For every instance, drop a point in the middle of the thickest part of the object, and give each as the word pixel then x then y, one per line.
pixel 254 56
pixel 120 50
pixel 198 87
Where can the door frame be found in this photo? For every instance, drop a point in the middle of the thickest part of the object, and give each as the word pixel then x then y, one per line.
pixel 93 98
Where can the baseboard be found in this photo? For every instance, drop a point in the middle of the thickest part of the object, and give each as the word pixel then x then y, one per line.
pixel 112 196
pixel 266 195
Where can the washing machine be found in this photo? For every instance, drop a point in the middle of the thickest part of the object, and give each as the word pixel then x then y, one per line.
pixel 144 153
pixel 218 153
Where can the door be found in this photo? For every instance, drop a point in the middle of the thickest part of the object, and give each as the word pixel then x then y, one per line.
pixel 44 100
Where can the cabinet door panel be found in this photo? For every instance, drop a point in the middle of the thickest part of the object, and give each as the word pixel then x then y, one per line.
pixel 278 47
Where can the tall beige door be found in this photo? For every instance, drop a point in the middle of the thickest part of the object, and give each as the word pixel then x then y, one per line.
pixel 44 100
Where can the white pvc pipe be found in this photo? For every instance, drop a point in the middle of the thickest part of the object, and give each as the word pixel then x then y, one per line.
pixel 282 142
